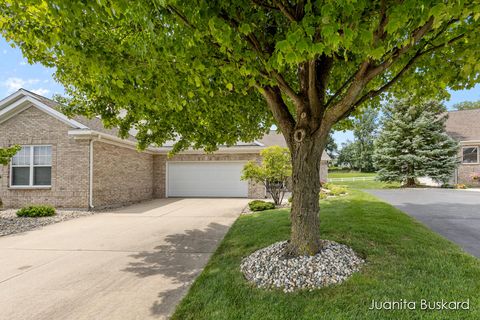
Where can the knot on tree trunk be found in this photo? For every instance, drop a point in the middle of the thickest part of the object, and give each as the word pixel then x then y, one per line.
pixel 299 135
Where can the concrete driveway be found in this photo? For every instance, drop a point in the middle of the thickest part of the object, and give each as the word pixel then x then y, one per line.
pixel 132 263
pixel 455 214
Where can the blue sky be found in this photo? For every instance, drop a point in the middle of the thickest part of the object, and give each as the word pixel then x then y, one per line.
pixel 16 73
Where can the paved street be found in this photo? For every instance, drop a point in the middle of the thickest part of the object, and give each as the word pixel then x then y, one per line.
pixel 455 214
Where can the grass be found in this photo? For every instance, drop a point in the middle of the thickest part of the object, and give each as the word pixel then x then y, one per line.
pixel 405 260
pixel 370 184
pixel 350 174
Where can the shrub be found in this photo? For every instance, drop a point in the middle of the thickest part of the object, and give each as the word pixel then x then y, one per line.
pixel 290 199
pixel 335 190
pixel 273 172
pixel 259 205
pixel 36 211
pixel 323 195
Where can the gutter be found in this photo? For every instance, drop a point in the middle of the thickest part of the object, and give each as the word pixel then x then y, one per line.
pixel 106 138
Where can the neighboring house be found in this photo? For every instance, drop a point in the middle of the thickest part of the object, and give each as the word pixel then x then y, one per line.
pixel 464 126
pixel 77 163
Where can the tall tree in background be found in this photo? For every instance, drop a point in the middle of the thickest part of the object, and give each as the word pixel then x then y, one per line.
pixel 331 147
pixel 347 155
pixel 198 70
pixel 467 105
pixel 364 131
pixel 413 143
pixel 358 155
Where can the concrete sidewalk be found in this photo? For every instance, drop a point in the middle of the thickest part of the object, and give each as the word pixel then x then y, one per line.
pixel 133 263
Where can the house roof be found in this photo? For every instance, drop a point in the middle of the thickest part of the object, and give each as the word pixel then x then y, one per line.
pixel 83 127
pixel 464 125
pixel 92 123
pixel 277 139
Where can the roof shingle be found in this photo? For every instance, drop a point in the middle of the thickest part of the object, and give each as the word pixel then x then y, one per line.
pixel 464 125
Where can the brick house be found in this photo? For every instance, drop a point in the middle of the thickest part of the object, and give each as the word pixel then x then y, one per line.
pixel 464 126
pixel 77 163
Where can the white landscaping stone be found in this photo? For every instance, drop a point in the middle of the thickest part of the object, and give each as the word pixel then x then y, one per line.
pixel 269 268
pixel 10 223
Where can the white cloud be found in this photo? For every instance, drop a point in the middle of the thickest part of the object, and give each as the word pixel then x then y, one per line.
pixel 41 91
pixel 4 51
pixel 13 83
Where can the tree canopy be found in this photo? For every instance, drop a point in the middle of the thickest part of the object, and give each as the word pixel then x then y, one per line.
pixel 197 69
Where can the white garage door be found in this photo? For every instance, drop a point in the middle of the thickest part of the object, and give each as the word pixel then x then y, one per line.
pixel 205 179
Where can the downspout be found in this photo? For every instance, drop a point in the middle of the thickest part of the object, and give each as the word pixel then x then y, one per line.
pixel 90 178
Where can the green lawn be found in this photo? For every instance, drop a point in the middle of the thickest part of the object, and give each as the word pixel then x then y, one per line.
pixel 404 261
pixel 349 174
pixel 370 184
pixel 367 184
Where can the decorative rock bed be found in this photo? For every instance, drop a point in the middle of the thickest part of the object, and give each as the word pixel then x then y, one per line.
pixel 10 223
pixel 270 268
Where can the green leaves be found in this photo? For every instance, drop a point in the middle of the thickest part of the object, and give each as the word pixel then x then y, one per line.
pixel 7 153
pixel 195 69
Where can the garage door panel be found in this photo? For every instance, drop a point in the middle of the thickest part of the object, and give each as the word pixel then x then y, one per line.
pixel 205 179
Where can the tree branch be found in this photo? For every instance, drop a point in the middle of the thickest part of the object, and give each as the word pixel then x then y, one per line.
pixel 180 15
pixel 287 12
pixel 380 34
pixel 264 5
pixel 399 51
pixel 282 83
pixel 418 54
pixel 318 75
pixel 300 10
pixel 280 111
pixel 340 90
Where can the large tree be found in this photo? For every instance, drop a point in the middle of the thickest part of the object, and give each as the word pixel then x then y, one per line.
pixel 198 70
pixel 413 143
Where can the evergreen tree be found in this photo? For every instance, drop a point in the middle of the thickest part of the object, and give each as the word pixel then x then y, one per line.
pixel 331 148
pixel 413 143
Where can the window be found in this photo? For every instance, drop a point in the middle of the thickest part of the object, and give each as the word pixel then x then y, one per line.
pixel 32 166
pixel 470 155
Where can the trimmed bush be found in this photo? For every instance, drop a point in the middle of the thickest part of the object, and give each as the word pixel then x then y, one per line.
pixel 36 211
pixel 323 195
pixel 259 205
pixel 335 190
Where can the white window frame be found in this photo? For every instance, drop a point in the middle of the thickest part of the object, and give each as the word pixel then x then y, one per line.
pixel 478 155
pixel 31 168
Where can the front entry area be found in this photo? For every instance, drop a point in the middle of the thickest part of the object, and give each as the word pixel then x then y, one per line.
pixel 206 179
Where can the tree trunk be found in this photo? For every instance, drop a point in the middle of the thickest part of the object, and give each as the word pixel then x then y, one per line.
pixel 410 182
pixel 305 232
